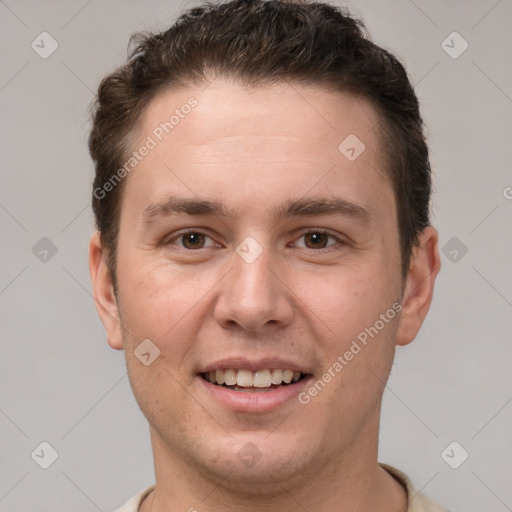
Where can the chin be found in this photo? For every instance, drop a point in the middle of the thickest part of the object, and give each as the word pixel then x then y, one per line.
pixel 254 463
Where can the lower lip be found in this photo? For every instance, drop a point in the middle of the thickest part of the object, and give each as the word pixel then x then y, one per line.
pixel 241 401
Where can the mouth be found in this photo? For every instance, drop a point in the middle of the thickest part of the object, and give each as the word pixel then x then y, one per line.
pixel 247 381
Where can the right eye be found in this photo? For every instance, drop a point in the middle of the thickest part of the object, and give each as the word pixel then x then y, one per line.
pixel 191 240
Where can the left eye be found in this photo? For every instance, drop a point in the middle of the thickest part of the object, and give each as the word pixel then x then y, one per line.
pixel 316 240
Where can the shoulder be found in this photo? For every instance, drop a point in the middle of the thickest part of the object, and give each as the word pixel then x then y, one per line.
pixel 417 501
pixel 133 504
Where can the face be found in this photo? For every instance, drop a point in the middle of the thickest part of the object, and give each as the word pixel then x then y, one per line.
pixel 254 250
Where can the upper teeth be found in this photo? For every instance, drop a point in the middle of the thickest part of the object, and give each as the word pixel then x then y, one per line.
pixel 248 379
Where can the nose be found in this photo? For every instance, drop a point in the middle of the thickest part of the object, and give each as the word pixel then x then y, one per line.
pixel 253 296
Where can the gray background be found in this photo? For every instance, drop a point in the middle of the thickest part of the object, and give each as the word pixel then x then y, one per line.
pixel 61 383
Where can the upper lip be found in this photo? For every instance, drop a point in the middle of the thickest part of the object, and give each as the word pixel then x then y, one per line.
pixel 254 365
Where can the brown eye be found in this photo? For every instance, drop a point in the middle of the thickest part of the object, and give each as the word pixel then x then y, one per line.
pixel 316 240
pixel 193 240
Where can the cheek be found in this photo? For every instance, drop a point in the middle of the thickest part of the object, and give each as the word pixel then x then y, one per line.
pixel 347 306
pixel 151 302
pixel 346 300
pixel 166 304
pixel 159 390
pixel 357 345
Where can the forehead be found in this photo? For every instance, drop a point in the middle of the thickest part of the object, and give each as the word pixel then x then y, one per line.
pixel 226 113
pixel 229 140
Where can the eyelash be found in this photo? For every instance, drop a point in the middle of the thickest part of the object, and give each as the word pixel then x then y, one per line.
pixel 335 246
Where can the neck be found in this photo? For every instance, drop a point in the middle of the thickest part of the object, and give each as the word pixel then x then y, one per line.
pixel 347 482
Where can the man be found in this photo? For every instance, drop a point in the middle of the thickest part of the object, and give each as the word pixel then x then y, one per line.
pixel 261 196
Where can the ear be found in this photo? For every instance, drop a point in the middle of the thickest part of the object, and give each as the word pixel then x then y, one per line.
pixel 103 291
pixel 419 288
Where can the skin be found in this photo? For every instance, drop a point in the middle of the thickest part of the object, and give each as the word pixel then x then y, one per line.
pixel 253 150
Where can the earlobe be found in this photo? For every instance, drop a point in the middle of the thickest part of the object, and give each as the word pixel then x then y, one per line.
pixel 424 267
pixel 103 292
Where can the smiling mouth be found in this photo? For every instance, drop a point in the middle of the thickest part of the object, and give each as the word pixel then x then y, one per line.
pixel 247 381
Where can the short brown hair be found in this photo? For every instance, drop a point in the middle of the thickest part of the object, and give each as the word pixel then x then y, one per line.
pixel 261 42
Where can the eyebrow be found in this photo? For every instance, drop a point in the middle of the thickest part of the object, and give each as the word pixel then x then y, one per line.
pixel 304 207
